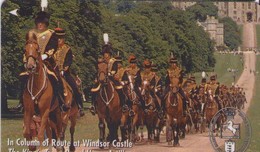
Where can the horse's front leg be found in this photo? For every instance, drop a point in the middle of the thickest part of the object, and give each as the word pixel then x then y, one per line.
pixel 169 131
pixel 123 127
pixel 73 121
pixel 101 126
pixel 44 122
pixel 28 114
pixel 157 131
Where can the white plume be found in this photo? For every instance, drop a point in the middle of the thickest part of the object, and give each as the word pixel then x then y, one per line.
pixel 203 74
pixel 105 37
pixel 44 4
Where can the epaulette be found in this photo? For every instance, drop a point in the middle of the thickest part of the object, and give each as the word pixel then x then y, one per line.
pixel 100 60
pixel 66 46
pixel 52 31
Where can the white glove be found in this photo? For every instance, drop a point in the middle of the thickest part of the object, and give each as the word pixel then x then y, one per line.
pixel 44 56
pixel 62 73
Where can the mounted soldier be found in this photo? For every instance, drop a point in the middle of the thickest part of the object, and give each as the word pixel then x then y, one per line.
pixel 48 42
pixel 214 86
pixel 148 75
pixel 111 65
pixel 63 58
pixel 175 72
pixel 132 76
pixel 158 82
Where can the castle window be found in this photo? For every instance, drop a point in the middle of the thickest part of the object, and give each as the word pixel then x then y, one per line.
pixel 226 5
pixel 249 5
pixel 235 5
pixel 235 12
pixel 243 5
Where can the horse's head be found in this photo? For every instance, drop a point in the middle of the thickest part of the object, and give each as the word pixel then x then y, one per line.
pixel 145 87
pixel 102 72
pixel 175 84
pixel 32 53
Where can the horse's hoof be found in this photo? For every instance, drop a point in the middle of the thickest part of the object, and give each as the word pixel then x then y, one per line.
pixel 101 147
pixel 138 138
pixel 72 148
pixel 176 145
pixel 32 148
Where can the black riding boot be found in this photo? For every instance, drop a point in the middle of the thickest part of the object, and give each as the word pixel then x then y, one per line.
pixel 158 107
pixel 184 102
pixel 218 102
pixel 79 103
pixel 58 92
pixel 138 93
pixel 23 80
pixel 122 100
pixel 93 103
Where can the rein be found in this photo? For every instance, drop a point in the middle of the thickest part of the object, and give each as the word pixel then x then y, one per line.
pixel 30 85
pixel 107 101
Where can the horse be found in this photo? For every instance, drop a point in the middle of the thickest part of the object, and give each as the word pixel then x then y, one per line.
pixel 174 113
pixel 108 106
pixel 38 97
pixel 195 112
pixel 211 108
pixel 71 114
pixel 137 119
pixel 151 119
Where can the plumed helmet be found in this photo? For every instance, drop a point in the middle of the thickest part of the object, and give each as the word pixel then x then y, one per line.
pixel 154 67
pixel 42 17
pixel 132 59
pixel 173 59
pixel 59 32
pixel 147 63
pixel 192 78
pixel 107 48
pixel 213 77
pixel 203 80
pixel 118 59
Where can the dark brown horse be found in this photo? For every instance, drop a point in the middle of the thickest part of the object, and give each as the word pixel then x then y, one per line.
pixel 38 97
pixel 151 119
pixel 137 120
pixel 174 113
pixel 71 114
pixel 108 106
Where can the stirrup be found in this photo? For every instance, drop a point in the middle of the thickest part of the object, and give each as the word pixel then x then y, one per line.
pixel 131 113
pixel 81 112
pixel 92 109
pixel 160 114
pixel 64 107
pixel 125 108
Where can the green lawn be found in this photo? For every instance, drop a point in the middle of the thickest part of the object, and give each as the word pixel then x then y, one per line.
pixel 223 62
pixel 86 128
pixel 253 113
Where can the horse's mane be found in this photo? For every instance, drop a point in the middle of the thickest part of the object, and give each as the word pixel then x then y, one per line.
pixel 31 37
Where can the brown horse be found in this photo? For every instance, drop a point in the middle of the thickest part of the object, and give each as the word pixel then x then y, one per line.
pixel 211 108
pixel 174 113
pixel 108 106
pixel 194 115
pixel 151 119
pixel 137 120
pixel 71 114
pixel 38 97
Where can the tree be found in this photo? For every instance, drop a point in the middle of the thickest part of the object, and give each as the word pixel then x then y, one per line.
pixel 232 36
pixel 201 9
